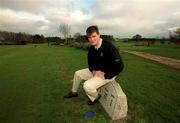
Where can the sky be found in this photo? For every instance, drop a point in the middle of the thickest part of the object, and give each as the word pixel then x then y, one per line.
pixel 120 18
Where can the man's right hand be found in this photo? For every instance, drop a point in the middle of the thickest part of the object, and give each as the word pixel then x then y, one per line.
pixel 94 72
pixel 98 74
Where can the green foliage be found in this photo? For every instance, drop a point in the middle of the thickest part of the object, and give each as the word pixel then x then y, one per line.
pixel 33 81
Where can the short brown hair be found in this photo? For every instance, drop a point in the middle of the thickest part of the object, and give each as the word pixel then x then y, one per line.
pixel 92 29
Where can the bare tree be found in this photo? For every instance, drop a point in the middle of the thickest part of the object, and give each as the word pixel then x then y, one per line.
pixel 65 30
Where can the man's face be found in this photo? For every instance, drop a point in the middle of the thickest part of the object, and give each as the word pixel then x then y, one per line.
pixel 94 39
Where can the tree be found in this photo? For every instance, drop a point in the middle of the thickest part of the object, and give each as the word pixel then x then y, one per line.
pixel 19 38
pixel 108 37
pixel 81 39
pixel 174 35
pixel 76 35
pixel 65 30
pixel 137 37
pixel 177 33
pixel 38 39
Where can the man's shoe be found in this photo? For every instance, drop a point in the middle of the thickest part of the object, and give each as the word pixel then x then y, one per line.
pixel 70 95
pixel 95 101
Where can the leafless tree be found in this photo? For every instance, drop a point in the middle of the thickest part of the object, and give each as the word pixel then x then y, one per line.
pixel 65 30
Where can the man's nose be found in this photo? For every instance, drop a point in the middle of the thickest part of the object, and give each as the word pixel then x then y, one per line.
pixel 92 39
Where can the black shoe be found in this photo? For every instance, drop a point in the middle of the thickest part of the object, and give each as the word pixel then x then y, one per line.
pixel 95 101
pixel 70 95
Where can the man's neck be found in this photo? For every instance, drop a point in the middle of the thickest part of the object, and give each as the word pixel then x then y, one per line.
pixel 99 44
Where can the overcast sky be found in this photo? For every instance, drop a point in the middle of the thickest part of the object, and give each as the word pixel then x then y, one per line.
pixel 121 18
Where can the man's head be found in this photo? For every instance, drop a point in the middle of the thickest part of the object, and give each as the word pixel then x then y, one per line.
pixel 93 35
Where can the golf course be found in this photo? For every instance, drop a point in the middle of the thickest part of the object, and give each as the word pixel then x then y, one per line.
pixel 34 79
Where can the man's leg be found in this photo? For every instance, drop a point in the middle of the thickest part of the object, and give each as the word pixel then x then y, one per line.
pixel 91 86
pixel 79 75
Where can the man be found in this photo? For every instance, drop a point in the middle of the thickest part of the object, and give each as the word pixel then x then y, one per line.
pixel 104 63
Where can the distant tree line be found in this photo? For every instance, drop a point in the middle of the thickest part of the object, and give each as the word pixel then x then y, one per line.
pixel 24 38
pixel 174 37
pixel 12 38
pixel 82 40
pixel 8 38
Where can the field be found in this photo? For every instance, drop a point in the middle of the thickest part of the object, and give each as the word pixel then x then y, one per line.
pixel 34 79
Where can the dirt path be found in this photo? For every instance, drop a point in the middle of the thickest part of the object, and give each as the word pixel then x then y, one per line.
pixel 175 63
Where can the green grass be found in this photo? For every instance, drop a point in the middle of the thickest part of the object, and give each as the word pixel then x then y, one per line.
pixel 33 81
pixel 167 50
pixel 152 89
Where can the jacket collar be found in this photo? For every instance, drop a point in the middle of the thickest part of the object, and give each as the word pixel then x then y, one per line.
pixel 99 45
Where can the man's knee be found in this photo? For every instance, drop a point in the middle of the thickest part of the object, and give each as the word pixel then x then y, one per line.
pixel 88 87
pixel 78 72
pixel 85 86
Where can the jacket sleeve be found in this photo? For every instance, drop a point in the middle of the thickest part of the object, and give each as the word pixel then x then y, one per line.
pixel 116 62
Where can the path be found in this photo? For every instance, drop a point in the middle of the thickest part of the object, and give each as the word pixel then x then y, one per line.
pixel 175 63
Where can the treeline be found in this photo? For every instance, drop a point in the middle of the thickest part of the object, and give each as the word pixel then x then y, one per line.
pixel 149 41
pixel 11 38
pixel 174 36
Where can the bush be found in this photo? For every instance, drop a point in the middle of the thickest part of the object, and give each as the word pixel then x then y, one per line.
pixel 84 46
pixel 13 43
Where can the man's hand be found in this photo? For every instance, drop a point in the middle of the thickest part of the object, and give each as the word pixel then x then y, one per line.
pixel 93 72
pixel 99 74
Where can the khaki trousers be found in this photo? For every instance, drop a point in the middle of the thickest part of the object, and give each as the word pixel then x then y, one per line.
pixel 90 85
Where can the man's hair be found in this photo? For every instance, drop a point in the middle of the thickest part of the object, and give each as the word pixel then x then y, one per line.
pixel 92 29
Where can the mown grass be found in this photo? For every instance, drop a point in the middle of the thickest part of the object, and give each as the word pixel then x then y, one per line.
pixel 33 81
pixel 167 50
pixel 152 90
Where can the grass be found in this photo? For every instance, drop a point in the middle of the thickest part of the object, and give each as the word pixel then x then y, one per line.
pixel 152 90
pixel 33 81
pixel 167 50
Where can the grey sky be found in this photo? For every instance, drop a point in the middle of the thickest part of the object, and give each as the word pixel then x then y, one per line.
pixel 121 18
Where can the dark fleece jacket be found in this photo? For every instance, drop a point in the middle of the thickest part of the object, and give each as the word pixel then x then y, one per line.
pixel 106 59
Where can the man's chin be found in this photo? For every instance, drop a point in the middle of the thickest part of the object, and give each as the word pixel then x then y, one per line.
pixel 93 44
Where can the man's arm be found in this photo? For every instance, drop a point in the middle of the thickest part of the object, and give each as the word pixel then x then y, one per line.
pixel 116 62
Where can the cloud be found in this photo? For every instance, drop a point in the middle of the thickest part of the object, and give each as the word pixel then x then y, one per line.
pixel 148 18
pixel 21 21
pixel 123 18
pixel 32 6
